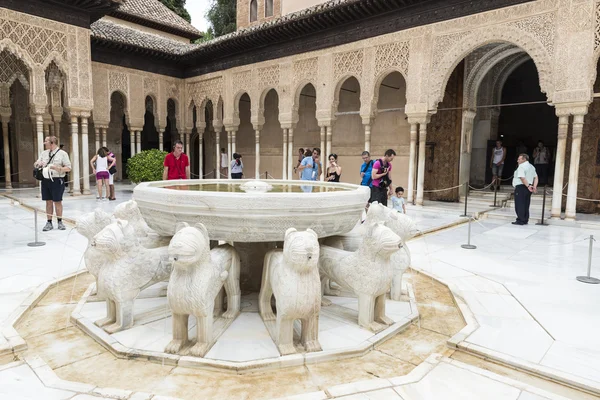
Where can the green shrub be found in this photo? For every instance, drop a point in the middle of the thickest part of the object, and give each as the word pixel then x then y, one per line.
pixel 146 166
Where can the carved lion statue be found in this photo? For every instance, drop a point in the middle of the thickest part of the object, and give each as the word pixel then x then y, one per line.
pixel 400 224
pixel 367 272
pixel 129 269
pixel 130 212
pixel 292 275
pixel 198 276
pixel 89 225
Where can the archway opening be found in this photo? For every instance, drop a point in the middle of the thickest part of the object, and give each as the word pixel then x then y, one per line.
pixel 307 133
pixel 118 133
pixel 390 128
pixel 271 138
pixel 348 138
pixel 171 133
pixel 245 136
pixel 209 141
pixel 150 138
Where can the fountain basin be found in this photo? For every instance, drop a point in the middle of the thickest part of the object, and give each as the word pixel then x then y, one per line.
pixel 262 213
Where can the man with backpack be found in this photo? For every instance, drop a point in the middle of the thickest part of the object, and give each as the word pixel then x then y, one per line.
pixel 365 169
pixel 381 186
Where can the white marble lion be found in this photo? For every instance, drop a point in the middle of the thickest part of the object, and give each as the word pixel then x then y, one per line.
pixel 198 276
pixel 400 224
pixel 367 272
pixel 129 269
pixel 88 225
pixel 130 212
pixel 292 275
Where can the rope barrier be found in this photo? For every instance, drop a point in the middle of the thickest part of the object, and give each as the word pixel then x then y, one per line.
pixel 584 199
pixel 482 189
pixel 442 190
pixel 16 173
pixel 36 187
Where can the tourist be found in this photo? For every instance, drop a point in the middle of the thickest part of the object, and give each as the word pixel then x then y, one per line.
pixel 366 169
pixel 525 183
pixel 497 163
pixel 62 147
pixel 112 171
pixel 381 186
pixel 177 164
pixel 53 185
pixel 307 153
pixel 541 158
pixel 224 163
pixel 300 158
pixel 398 202
pixel 237 167
pixel 334 171
pixel 100 166
pixel 310 168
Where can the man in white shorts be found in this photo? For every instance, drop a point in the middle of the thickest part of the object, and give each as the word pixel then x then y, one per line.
pixel 497 163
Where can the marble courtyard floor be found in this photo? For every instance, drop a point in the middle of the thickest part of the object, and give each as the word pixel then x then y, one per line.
pixel 505 321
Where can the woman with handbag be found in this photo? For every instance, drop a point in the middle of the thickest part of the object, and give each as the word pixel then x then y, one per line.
pixel 100 166
pixel 112 171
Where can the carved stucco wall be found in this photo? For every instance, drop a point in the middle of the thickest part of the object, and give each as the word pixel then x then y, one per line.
pixel 38 42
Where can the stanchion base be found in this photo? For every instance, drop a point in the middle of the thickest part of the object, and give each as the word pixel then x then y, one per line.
pixel 542 224
pixel 588 279
pixel 36 244
pixel 468 246
pixel 493 206
pixel 464 215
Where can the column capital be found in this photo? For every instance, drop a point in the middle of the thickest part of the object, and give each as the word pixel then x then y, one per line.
pixel 567 109
pixel 419 118
pixel 257 127
pixel 469 115
pixel 5 113
pixel 288 125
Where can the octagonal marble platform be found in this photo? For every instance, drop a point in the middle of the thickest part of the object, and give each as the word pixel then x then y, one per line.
pixel 245 344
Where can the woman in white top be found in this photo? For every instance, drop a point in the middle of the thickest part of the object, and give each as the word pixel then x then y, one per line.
pixel 224 163
pixel 497 163
pixel 100 166
pixel 237 167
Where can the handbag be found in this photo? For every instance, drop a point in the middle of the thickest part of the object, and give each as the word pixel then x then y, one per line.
pixel 112 170
pixel 38 173
pixel 385 181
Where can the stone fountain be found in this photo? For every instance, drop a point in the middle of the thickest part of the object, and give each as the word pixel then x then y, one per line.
pixel 262 236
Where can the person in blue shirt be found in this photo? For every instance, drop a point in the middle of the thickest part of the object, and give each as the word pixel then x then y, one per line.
pixel 366 168
pixel 310 168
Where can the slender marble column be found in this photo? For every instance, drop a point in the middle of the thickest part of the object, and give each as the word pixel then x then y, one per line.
pixel 7 172
pixel 160 141
pixel 465 148
pixel 104 136
pixel 39 124
pixel 218 151
pixel 284 155
pixel 323 148
pixel 367 137
pixel 200 155
pixel 57 127
pixel 233 139
pixel 75 161
pixel 411 162
pixel 132 142
pixel 328 152
pixel 570 211
pixel 85 155
pixel 187 146
pixel 97 139
pixel 138 142
pixel 291 175
pixel 421 171
pixel 559 168
pixel 257 161
pixel 229 153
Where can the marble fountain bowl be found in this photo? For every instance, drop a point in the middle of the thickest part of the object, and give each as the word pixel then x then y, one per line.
pixel 251 210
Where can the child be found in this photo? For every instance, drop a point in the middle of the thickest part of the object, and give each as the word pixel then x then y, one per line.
pixel 398 202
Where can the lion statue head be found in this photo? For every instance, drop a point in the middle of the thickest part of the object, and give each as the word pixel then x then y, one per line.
pixel 129 211
pixel 190 245
pixel 381 240
pixel 402 225
pixel 115 240
pixel 90 224
pixel 301 249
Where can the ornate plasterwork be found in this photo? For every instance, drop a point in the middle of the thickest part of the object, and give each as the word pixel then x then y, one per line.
pixel 268 77
pixel 441 45
pixel 209 89
pixel 242 81
pixel 150 87
pixel 118 81
pixel 597 26
pixel 306 70
pixel 348 63
pixel 12 68
pixel 392 56
pixel 542 27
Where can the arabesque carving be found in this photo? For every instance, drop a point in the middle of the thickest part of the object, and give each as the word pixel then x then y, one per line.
pixel 392 56
pixel 349 63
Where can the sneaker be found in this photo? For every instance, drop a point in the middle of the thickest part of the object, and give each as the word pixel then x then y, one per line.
pixel 61 226
pixel 48 227
pixel 97 198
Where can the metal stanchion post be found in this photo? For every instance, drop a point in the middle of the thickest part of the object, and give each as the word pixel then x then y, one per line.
pixel 543 209
pixel 37 243
pixel 495 197
pixel 266 174
pixel 215 173
pixel 469 246
pixel 588 278
pixel 466 198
